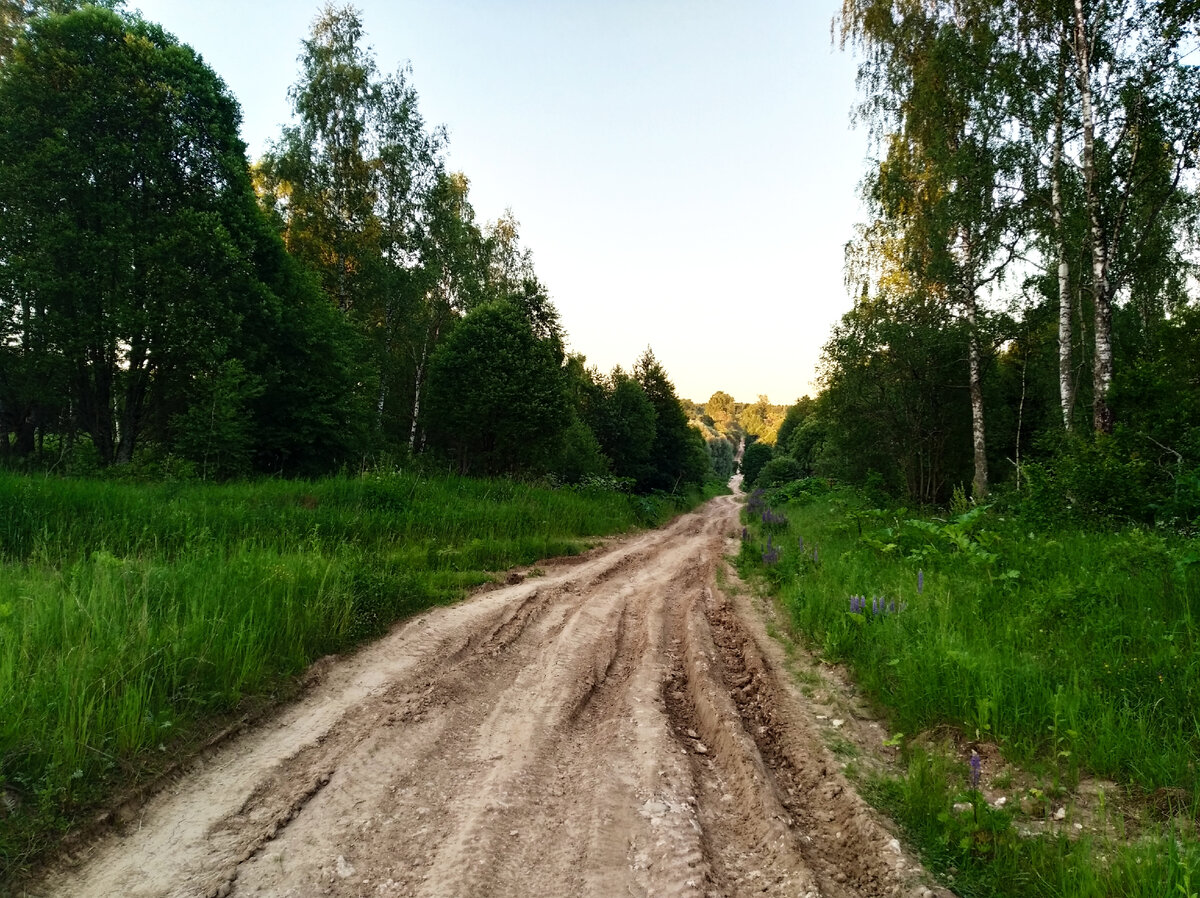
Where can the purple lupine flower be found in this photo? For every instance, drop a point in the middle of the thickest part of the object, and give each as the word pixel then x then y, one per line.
pixel 976 769
pixel 745 534
pixel 875 605
pixel 892 607
pixel 920 581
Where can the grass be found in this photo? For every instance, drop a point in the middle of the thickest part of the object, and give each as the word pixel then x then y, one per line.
pixel 133 617
pixel 1077 652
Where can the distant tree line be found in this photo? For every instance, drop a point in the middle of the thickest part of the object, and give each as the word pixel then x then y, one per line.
pixel 334 304
pixel 1026 290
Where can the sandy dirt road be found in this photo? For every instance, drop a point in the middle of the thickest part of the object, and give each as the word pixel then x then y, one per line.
pixel 613 727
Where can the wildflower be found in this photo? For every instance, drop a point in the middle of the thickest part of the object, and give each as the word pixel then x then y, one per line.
pixel 891 608
pixel 920 582
pixel 802 544
pixel 976 769
pixel 745 534
pixel 875 605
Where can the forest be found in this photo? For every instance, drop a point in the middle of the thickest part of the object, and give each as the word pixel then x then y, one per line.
pixel 167 306
pixel 1025 291
pixel 989 511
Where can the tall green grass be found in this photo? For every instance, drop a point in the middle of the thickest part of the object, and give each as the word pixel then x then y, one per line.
pixel 1076 651
pixel 131 615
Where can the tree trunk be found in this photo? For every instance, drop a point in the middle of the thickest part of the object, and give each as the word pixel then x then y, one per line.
pixel 1066 377
pixel 979 486
pixel 419 381
pixel 1102 364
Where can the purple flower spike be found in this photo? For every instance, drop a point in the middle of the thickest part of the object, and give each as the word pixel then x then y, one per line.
pixel 920 582
pixel 745 534
pixel 892 607
pixel 976 769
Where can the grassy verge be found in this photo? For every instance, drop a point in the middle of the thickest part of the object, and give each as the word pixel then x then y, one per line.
pixel 1076 653
pixel 133 617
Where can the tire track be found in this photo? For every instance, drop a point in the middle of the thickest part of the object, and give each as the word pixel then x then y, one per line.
pixel 610 728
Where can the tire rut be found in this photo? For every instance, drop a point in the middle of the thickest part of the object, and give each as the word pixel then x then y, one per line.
pixel 610 728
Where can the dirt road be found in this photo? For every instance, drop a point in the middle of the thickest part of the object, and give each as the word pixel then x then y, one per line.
pixel 612 727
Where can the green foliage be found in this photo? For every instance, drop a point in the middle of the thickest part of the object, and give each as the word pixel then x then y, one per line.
pixel 580 456
pixel 624 421
pixel 722 457
pixel 792 422
pixel 722 409
pixel 1081 631
pixel 761 419
pixel 754 458
pixel 497 394
pixel 145 292
pixel 778 471
pixel 134 615
pixel 678 456
pixel 1076 651
pixel 979 852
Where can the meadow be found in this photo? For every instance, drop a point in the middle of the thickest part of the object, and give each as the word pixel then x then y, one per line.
pixel 1073 649
pixel 137 619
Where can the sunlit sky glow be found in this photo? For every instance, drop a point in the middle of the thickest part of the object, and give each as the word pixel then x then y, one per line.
pixel 684 171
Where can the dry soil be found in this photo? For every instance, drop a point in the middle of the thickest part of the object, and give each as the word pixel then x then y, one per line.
pixel 616 725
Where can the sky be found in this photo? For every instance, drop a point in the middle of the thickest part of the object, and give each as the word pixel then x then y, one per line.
pixel 684 171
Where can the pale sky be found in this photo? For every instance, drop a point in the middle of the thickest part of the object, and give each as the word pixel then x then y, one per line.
pixel 684 171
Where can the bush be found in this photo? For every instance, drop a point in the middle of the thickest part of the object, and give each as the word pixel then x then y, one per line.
pixel 754 459
pixel 779 471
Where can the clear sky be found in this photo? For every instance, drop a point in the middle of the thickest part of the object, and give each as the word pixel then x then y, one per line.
pixel 684 171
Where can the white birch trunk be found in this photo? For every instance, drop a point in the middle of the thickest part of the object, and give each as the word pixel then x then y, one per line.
pixel 1102 366
pixel 979 486
pixel 1066 378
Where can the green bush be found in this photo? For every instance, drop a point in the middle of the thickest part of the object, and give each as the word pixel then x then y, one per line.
pixel 778 471
pixel 754 458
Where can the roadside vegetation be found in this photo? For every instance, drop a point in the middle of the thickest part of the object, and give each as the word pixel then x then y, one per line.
pixel 1072 650
pixel 136 619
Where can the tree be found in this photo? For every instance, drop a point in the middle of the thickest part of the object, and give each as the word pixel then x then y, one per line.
pixel 497 394
pixel 625 425
pixel 319 171
pixel 678 455
pixel 792 421
pixel 761 419
pixel 722 458
pixel 721 408
pixel 939 75
pixel 125 244
pixel 15 16
pixel 754 459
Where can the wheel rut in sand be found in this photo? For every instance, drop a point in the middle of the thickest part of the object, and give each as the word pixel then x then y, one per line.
pixel 610 728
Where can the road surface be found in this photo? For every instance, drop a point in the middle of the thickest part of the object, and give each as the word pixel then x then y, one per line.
pixel 611 727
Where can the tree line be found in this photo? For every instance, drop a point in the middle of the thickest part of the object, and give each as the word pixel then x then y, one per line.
pixel 334 303
pixel 1025 289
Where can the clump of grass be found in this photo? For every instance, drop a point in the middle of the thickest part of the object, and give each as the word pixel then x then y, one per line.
pixel 1075 651
pixel 977 850
pixel 133 615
